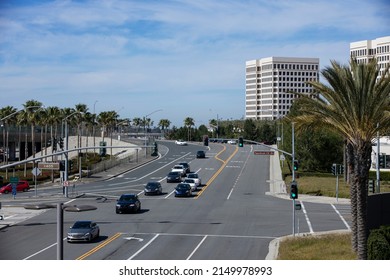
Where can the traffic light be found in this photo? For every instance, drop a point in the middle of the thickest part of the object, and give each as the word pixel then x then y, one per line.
pixel 205 140
pixel 334 169
pixel 61 143
pixel 382 160
pixel 103 150
pixel 54 144
pixel 155 150
pixel 240 142
pixel 294 190
pixel 341 169
pixel 62 165
pixel 296 165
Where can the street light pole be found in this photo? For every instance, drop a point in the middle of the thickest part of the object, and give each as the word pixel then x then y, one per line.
pixel 145 126
pixel 66 150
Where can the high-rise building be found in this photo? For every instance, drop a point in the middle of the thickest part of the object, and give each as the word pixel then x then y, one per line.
pixel 271 84
pixel 364 51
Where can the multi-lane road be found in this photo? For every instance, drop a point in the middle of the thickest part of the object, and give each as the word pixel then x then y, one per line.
pixel 230 217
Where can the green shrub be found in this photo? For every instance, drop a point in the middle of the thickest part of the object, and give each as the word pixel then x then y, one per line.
pixel 378 244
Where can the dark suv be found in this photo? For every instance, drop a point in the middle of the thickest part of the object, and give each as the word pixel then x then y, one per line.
pixel 128 203
pixel 186 166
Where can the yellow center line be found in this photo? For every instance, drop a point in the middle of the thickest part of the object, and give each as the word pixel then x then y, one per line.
pixel 219 170
pixel 101 245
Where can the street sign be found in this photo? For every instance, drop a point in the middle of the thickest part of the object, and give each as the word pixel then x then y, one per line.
pixel 36 171
pixel 264 153
pixel 49 165
pixel 14 180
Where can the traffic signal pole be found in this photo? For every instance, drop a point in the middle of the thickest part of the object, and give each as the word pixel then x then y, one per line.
pixel 293 176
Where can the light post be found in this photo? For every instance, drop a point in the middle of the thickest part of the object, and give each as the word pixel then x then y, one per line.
pixel 145 134
pixel 60 220
pixel 66 150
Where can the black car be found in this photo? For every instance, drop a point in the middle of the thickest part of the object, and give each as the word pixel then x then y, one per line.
pixel 128 203
pixel 173 177
pixel 186 166
pixel 153 188
pixel 200 154
pixel 83 231
pixel 183 189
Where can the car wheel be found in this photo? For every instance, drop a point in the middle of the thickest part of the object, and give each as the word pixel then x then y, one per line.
pixel 98 234
pixel 24 190
pixel 5 191
pixel 118 212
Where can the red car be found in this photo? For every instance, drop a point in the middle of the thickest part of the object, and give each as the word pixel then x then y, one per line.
pixel 22 186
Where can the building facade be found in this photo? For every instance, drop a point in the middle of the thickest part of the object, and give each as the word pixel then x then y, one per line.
pixel 272 84
pixel 364 51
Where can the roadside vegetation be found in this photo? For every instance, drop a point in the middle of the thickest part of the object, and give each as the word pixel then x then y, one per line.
pixel 335 246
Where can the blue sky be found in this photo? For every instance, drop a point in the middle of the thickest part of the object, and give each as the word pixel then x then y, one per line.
pixel 183 58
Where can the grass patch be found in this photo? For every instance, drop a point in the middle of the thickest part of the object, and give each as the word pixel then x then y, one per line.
pixel 320 247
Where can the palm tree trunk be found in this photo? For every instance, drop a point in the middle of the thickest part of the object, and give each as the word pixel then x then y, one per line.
pixel 359 193
pixel 353 194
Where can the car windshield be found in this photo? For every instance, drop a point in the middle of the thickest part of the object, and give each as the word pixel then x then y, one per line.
pixel 173 173
pixel 81 225
pixel 193 175
pixel 152 184
pixel 182 186
pixel 127 197
pixel 189 181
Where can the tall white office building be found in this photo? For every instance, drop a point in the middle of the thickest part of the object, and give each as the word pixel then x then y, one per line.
pixel 364 51
pixel 271 83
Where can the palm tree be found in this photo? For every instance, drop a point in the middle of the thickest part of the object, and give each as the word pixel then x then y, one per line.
pixel 164 123
pixel 356 105
pixel 31 108
pixel 137 122
pixel 8 116
pixel 188 122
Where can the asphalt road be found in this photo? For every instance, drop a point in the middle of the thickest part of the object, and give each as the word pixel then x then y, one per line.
pixel 230 217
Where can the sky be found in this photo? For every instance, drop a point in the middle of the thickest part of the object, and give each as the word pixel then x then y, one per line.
pixel 166 59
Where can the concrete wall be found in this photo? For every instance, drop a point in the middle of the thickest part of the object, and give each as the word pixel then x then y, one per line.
pixel 378 210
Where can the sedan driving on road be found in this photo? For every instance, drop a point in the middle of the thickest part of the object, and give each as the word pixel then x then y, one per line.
pixel 183 189
pixel 200 154
pixel 128 203
pixel 181 142
pixel 153 188
pixel 174 177
pixel 83 231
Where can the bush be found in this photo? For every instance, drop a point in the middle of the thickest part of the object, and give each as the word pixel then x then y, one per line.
pixel 378 244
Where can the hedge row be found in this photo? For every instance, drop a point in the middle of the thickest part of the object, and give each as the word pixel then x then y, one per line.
pixel 378 244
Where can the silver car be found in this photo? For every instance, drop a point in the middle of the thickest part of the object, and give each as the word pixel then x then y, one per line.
pixel 83 231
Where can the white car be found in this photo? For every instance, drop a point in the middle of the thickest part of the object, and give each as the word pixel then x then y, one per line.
pixel 191 182
pixel 181 142
pixel 195 176
pixel 179 168
pixel 233 142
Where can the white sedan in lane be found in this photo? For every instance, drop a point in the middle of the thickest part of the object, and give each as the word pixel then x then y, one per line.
pixel 195 176
pixel 191 182
pixel 181 142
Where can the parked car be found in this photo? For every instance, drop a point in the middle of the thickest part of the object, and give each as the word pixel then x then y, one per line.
pixel 186 166
pixel 183 189
pixel 83 231
pixel 181 142
pixel 196 177
pixel 192 183
pixel 174 177
pixel 128 203
pixel 153 188
pixel 179 168
pixel 200 154
pixel 21 186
